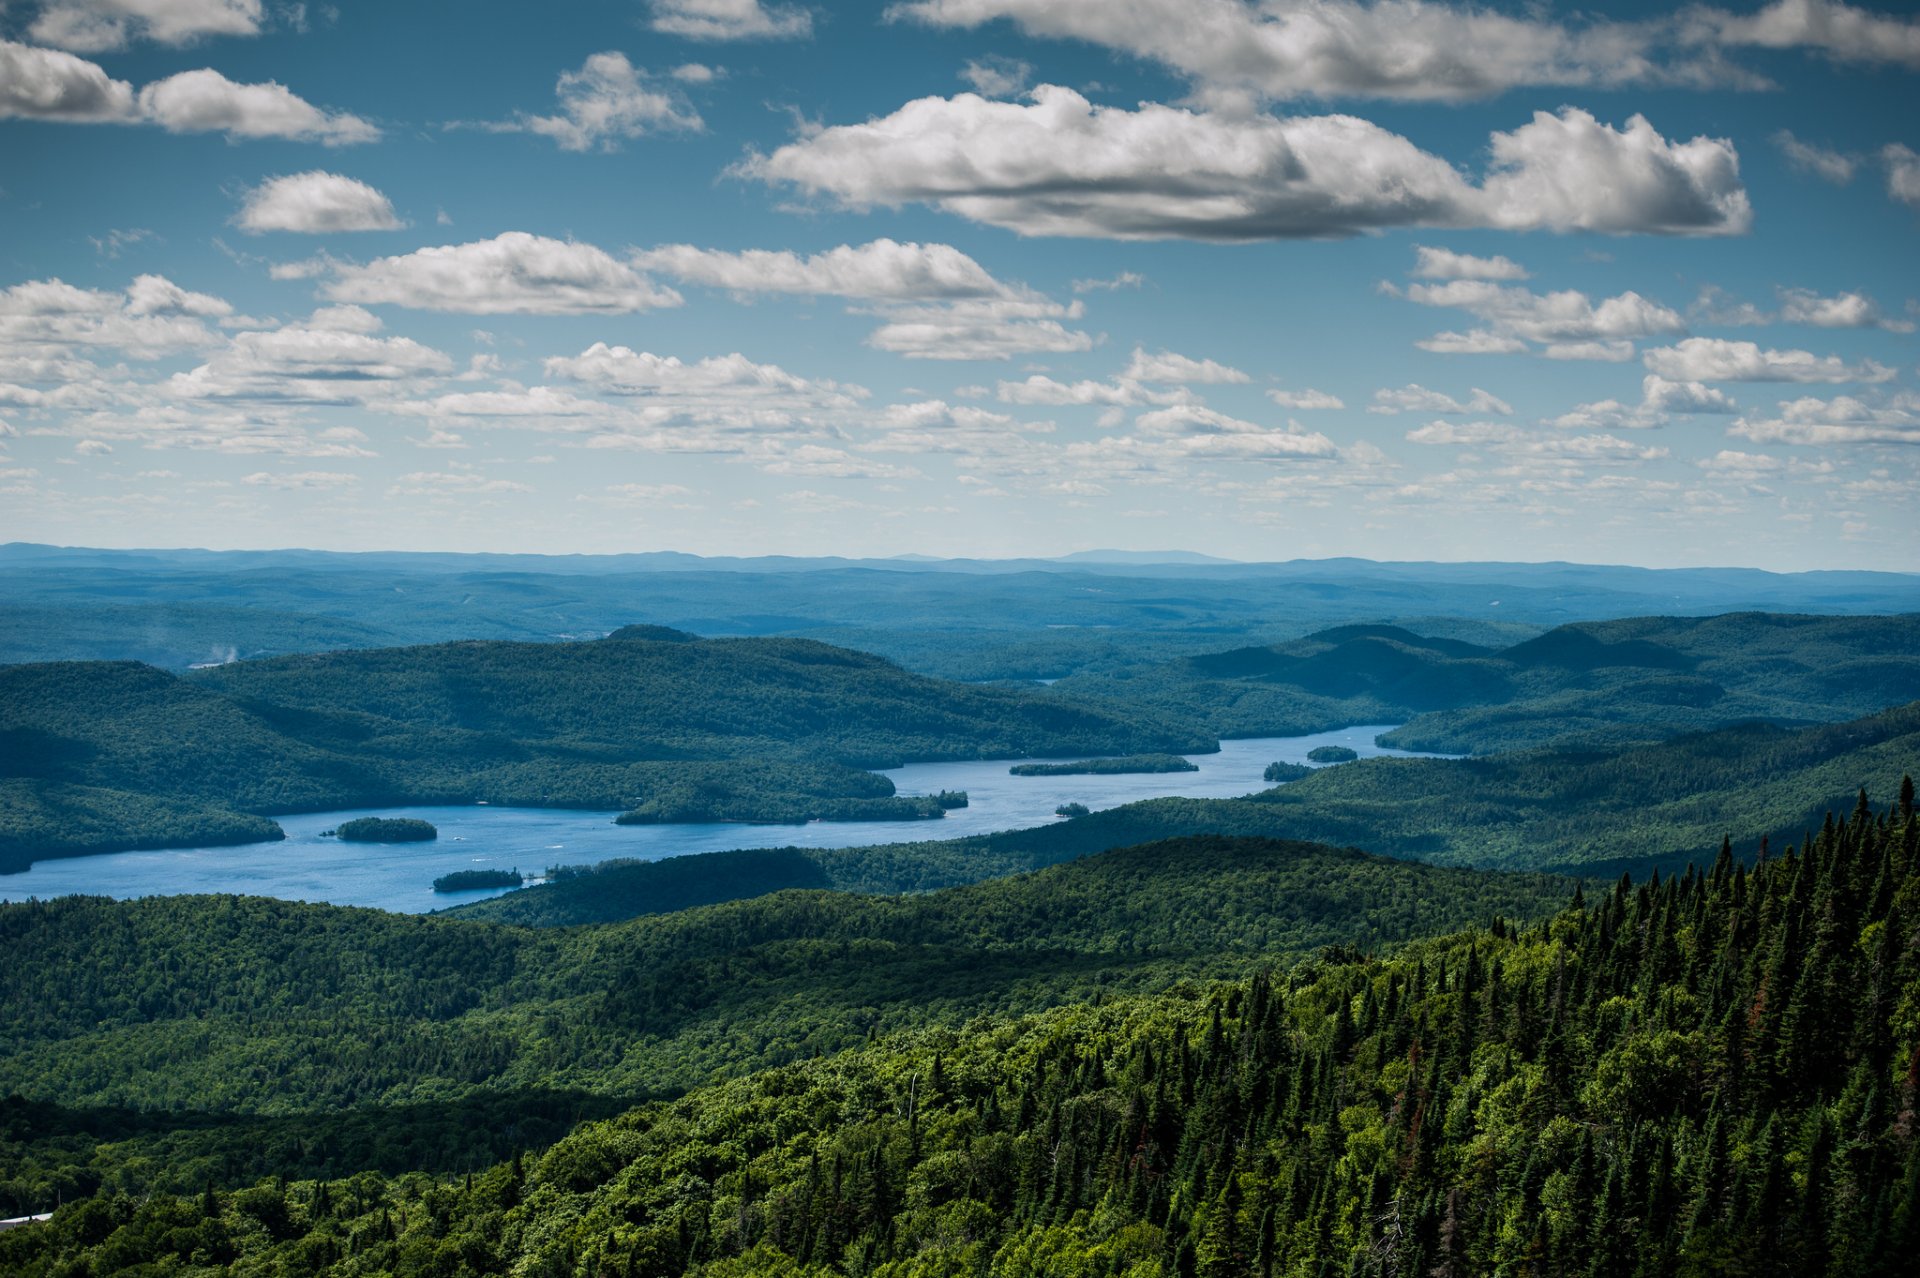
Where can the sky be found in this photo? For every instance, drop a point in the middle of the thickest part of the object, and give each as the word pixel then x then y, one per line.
pixel 1619 283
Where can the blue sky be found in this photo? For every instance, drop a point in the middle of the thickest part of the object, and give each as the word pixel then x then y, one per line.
pixel 964 277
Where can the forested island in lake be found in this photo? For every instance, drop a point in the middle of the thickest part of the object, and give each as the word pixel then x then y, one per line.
pixel 473 880
pixel 385 830
pixel 1144 763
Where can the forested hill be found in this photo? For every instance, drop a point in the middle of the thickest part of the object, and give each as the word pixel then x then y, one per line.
pixel 1705 1075
pixel 115 755
pixel 214 1007
pixel 1590 684
pixel 1573 812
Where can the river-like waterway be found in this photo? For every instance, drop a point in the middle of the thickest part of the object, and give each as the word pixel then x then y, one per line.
pixel 307 867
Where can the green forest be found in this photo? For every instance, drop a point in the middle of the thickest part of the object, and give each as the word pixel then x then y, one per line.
pixel 1707 1073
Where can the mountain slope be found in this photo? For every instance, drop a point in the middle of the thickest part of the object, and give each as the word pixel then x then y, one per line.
pixel 1707 1075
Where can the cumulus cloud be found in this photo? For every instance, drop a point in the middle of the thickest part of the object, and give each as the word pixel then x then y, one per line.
pixel 1841 31
pixel 1903 173
pixel 513 273
pixel 1304 400
pixel 1713 359
pixel 935 301
pixel 1059 165
pixel 606 101
pixel 730 20
pixel 1478 341
pixel 1445 264
pixel 205 101
pixel 996 76
pixel 1660 401
pixel 1170 367
pixel 1822 162
pixel 96 26
pixel 1843 419
pixel 1572 324
pixel 989 328
pixel 1415 398
pixel 883 269
pixel 316 203
pixel 1843 310
pixel 43 323
pixel 1413 50
pixel 1333 48
pixel 46 84
pixel 336 357
pixel 1519 444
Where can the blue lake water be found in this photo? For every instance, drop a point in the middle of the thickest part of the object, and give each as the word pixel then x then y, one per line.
pixel 306 867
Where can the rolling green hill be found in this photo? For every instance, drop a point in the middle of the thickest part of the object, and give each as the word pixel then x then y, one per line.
pixel 102 756
pixel 1704 1075
pixel 1589 684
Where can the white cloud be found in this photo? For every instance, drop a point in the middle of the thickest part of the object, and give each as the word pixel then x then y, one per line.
pixel 1844 310
pixel 1810 421
pixel 303 481
pixel 1823 162
pixel 1170 367
pixel 1574 324
pixel 989 328
pixel 43 322
pixel 1041 389
pixel 1660 399
pixel 932 413
pixel 880 270
pixel 513 273
pixel 607 100
pixel 622 369
pixel 730 20
pixel 459 483
pixel 1903 173
pixel 1522 445
pixel 1445 264
pixel 1842 31
pixel 1479 341
pixel 1415 398
pixel 1112 284
pixel 995 76
pixel 205 101
pixel 1304 400
pixel 46 84
pixel 1712 359
pixel 96 26
pixel 316 203
pixel 1610 352
pixel 336 358
pixel 1335 48
pixel 1663 396
pixel 935 301
pixel 1059 165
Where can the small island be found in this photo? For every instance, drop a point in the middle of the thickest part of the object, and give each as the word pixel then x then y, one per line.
pixel 1278 773
pixel 1332 754
pixel 386 830
pixel 1107 767
pixel 472 880
pixel 1072 810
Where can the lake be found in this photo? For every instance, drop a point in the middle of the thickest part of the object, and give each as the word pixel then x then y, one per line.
pixel 306 867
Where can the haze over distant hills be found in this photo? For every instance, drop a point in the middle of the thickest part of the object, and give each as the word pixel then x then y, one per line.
pixel 958 618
